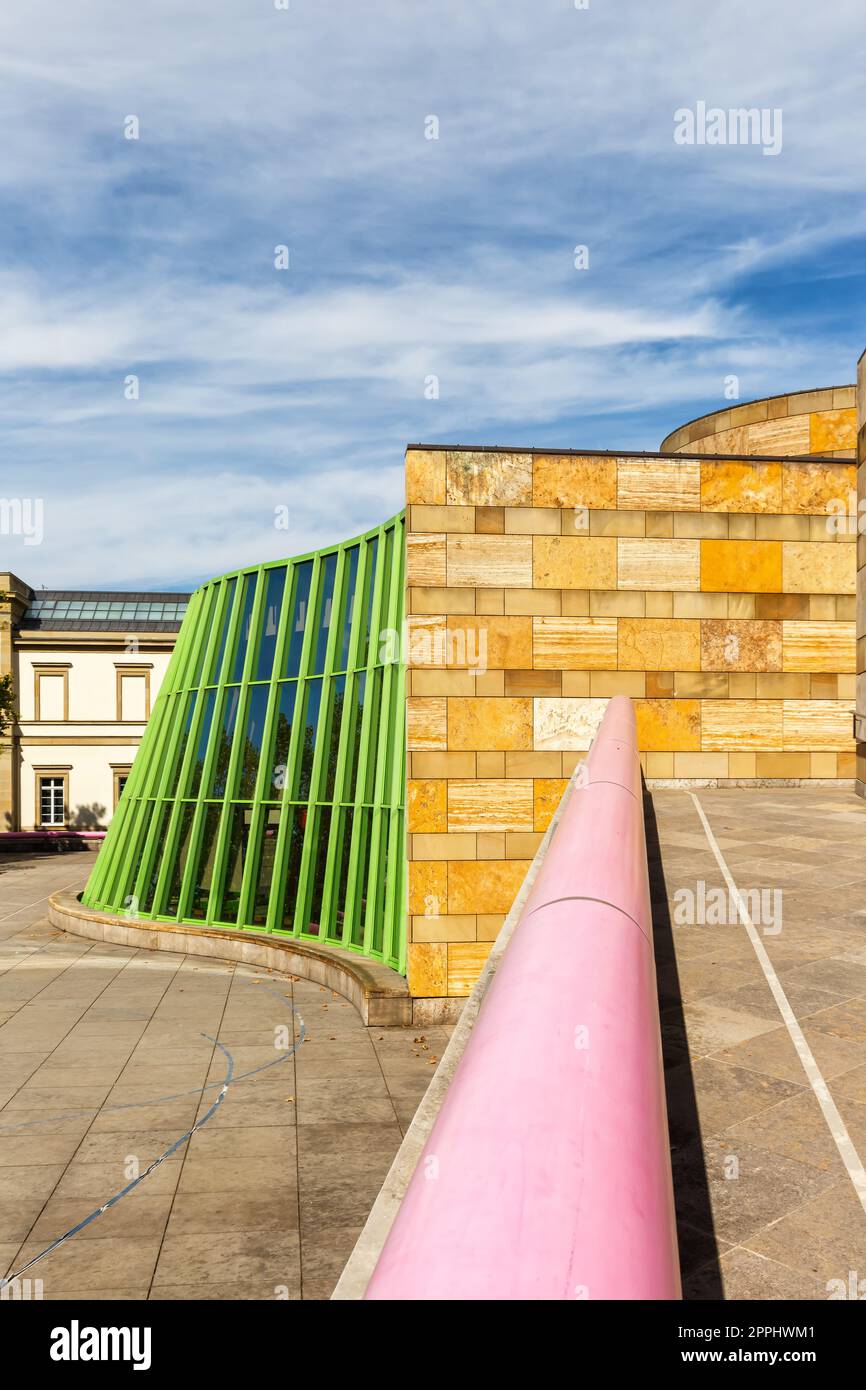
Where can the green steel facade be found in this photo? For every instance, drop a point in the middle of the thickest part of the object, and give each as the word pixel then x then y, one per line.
pixel 268 791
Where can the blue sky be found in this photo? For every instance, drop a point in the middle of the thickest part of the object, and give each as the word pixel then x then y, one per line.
pixel 409 257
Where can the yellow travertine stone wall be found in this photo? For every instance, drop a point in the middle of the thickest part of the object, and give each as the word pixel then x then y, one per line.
pixel 808 422
pixel 714 592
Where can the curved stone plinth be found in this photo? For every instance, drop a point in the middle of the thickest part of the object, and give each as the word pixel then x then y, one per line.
pixel 380 995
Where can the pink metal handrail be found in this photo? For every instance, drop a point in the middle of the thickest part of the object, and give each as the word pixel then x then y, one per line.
pixel 547 1172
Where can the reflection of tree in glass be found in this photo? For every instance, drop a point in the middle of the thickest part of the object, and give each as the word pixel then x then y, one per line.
pixel 221 766
pixel 310 730
pixel 249 768
pixel 320 850
pixel 336 721
pixel 281 752
pixel 307 758
pixel 296 845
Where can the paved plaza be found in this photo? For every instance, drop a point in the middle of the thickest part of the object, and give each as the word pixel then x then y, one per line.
pixel 109 1055
pixel 766 1207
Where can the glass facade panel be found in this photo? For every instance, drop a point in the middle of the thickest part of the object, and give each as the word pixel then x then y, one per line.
pixel 358 905
pixel 295 837
pixel 336 698
pixel 200 655
pixel 298 623
pixel 290 784
pixel 280 739
pixel 203 872
pixel 233 868
pixel 225 624
pixel 367 774
pixel 325 607
pixel 242 639
pixel 225 733
pixel 248 765
pixel 207 699
pixel 270 624
pixel 369 591
pixel 185 709
pixel 341 662
pixel 318 862
pixel 157 841
pixel 356 716
pixel 180 851
pixel 264 873
pixel 129 867
pixel 309 727
pixel 344 859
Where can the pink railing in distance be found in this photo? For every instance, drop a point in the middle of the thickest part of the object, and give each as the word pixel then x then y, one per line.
pixel 547 1172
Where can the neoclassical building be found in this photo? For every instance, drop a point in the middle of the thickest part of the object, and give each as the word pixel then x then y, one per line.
pixel 86 670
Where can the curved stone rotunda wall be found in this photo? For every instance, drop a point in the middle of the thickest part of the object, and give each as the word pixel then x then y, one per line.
pixel 820 422
pixel 268 789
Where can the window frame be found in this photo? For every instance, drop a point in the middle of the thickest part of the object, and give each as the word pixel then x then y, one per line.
pixel 50 668
pixel 54 773
pixel 119 770
pixel 133 668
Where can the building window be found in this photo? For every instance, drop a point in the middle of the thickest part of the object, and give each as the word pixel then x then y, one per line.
pixel 52 796
pixel 121 775
pixel 51 693
pixel 133 693
pixel 52 800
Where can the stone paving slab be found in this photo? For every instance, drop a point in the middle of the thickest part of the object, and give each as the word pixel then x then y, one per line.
pixel 765 1206
pixel 103 1067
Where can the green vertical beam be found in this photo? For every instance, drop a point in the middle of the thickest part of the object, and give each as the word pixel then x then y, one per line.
pixel 387 620
pixel 361 671
pixel 357 880
pixel 394 926
pixel 318 772
pixel 331 850
pixel 222 837
pixel 263 777
pixel 246 693
pixel 311 830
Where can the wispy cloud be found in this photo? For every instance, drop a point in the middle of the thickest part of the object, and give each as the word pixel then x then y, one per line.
pixel 409 258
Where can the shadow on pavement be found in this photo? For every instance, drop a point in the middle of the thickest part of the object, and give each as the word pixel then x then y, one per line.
pixel 699 1267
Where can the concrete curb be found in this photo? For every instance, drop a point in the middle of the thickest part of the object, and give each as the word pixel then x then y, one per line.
pixel 380 995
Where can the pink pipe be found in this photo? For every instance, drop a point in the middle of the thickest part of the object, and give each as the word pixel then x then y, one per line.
pixel 51 835
pixel 547 1173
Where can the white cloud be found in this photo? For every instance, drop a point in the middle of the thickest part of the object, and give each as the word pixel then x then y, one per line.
pixel 156 535
pixel 409 257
